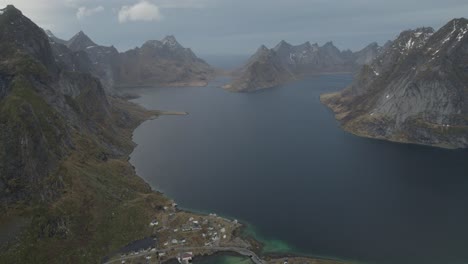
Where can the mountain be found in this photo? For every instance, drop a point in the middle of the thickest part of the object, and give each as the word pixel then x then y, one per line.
pixel 65 182
pixel 368 54
pixel 286 62
pixel 264 69
pixel 80 41
pixel 54 39
pixel 163 63
pixel 105 60
pixel 415 91
pixel 156 63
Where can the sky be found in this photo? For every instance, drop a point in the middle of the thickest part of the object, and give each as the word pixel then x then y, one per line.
pixel 233 27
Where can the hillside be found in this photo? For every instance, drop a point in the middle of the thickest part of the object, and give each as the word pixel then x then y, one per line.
pixel 65 183
pixel 415 91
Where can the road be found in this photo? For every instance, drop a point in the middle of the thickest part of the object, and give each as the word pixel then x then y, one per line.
pixel 241 251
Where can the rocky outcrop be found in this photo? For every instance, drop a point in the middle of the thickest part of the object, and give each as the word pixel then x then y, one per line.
pixel 415 91
pixel 285 62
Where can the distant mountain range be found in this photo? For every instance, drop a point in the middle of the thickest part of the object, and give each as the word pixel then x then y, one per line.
pixel 285 62
pixel 415 91
pixel 156 63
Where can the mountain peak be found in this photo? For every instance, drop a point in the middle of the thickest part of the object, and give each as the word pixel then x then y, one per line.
pixel 329 44
pixel 459 21
pixel 11 13
pixel 263 47
pixel 10 9
pixel 169 38
pixel 282 45
pixel 49 33
pixel 373 45
pixel 171 41
pixel 80 42
pixel 25 35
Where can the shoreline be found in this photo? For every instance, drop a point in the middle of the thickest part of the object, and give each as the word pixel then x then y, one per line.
pixel 249 242
pixel 230 87
pixel 338 114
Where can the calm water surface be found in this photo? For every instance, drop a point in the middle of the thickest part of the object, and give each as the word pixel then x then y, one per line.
pixel 278 160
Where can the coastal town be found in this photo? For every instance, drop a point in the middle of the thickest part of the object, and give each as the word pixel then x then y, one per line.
pixel 176 234
pixel 181 236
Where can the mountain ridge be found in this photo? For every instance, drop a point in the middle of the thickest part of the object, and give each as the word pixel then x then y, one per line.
pixel 415 92
pixel 286 62
pixel 156 63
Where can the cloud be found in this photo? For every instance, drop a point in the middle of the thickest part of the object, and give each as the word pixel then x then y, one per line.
pixel 185 3
pixel 142 11
pixel 86 12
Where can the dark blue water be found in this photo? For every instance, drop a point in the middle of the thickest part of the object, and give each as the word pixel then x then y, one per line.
pixel 278 160
pixel 226 62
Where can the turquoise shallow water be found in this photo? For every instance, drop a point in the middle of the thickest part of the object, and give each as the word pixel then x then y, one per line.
pixel 278 160
pixel 223 260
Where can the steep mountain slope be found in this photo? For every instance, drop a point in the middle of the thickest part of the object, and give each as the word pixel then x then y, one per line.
pixel 287 62
pixel 163 63
pixel 65 183
pixel 104 60
pixel 33 137
pixel 416 91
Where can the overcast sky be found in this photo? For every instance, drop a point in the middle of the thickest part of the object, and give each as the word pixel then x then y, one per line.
pixel 238 26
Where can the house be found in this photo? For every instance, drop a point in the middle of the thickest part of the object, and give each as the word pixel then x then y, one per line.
pixel 185 258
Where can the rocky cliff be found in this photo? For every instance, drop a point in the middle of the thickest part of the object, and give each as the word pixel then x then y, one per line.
pixel 286 62
pixel 415 91
pixel 67 192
